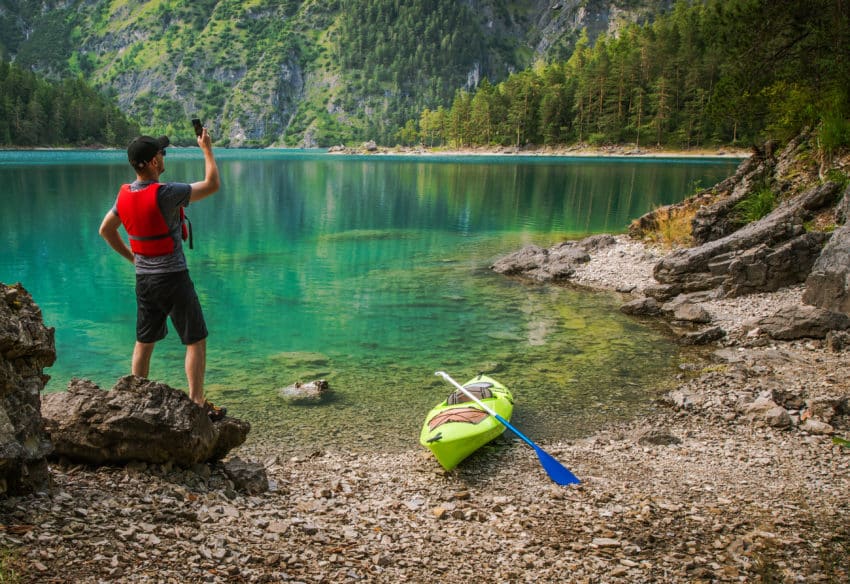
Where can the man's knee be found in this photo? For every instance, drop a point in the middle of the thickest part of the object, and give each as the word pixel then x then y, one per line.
pixel 144 348
pixel 198 348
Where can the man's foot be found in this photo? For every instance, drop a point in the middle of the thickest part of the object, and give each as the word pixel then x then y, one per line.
pixel 214 412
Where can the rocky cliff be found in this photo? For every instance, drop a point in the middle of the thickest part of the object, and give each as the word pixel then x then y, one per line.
pixel 26 348
pixel 737 254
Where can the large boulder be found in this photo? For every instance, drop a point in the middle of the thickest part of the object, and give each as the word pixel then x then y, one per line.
pixel 137 420
pixel 800 322
pixel 714 208
pixel 26 348
pixel 828 285
pixel 764 269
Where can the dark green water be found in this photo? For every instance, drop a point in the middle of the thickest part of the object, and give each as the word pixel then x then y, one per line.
pixel 369 272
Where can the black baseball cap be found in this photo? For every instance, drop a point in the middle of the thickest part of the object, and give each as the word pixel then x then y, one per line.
pixel 143 149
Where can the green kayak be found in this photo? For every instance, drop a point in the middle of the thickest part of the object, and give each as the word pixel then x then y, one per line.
pixel 457 427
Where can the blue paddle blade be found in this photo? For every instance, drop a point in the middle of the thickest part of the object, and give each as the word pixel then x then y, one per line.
pixel 556 471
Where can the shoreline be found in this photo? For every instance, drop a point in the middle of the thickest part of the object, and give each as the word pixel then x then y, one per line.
pixel 698 490
pixel 578 151
pixel 628 152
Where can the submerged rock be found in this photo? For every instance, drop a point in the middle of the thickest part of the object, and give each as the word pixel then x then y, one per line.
pixel 645 306
pixel 554 264
pixel 699 337
pixel 689 312
pixel 311 392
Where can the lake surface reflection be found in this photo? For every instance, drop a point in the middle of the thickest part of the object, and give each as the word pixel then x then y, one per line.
pixel 369 272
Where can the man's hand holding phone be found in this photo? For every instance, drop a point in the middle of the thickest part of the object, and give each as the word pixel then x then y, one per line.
pixel 211 181
pixel 204 139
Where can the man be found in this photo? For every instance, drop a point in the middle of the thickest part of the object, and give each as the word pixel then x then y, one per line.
pixel 152 214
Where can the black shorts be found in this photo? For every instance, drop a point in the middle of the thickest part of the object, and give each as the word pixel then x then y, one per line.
pixel 159 296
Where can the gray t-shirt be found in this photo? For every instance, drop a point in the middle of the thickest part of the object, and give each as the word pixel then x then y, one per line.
pixel 170 197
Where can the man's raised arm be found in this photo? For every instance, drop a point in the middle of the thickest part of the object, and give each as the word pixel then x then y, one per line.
pixel 211 182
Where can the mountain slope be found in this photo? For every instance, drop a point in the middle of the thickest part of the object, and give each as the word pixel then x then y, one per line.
pixel 295 72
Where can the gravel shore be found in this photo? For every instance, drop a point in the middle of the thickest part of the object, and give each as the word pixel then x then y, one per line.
pixel 702 489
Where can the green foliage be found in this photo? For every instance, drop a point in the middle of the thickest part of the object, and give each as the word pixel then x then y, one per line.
pixel 47 47
pixel 705 73
pixel 696 188
pixel 409 134
pixel 596 139
pixel 716 72
pixel 432 125
pixel 35 112
pixel 755 206
pixel 838 176
pixel 818 226
pixel 833 133
pixel 791 107
pixel 400 58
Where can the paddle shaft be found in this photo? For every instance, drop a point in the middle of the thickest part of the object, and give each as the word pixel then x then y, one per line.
pixel 486 408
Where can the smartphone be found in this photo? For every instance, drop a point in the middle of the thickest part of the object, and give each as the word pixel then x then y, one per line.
pixel 199 127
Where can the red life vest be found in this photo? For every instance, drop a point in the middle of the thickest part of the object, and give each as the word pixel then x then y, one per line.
pixel 145 225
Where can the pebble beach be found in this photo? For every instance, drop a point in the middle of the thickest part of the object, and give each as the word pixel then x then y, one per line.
pixel 701 489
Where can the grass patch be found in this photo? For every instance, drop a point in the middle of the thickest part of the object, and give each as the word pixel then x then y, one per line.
pixel 755 206
pixel 838 176
pixel 673 226
pixel 823 222
pixel 11 567
pixel 833 133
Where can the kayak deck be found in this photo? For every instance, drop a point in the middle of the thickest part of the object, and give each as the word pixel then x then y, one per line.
pixel 457 427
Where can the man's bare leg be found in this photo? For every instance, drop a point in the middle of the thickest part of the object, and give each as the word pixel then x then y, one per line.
pixel 142 359
pixel 196 364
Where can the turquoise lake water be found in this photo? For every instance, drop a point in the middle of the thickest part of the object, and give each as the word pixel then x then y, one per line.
pixel 370 272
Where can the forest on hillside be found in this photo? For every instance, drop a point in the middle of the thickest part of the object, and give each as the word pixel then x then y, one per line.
pixel 718 72
pixel 37 112
pixel 392 50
